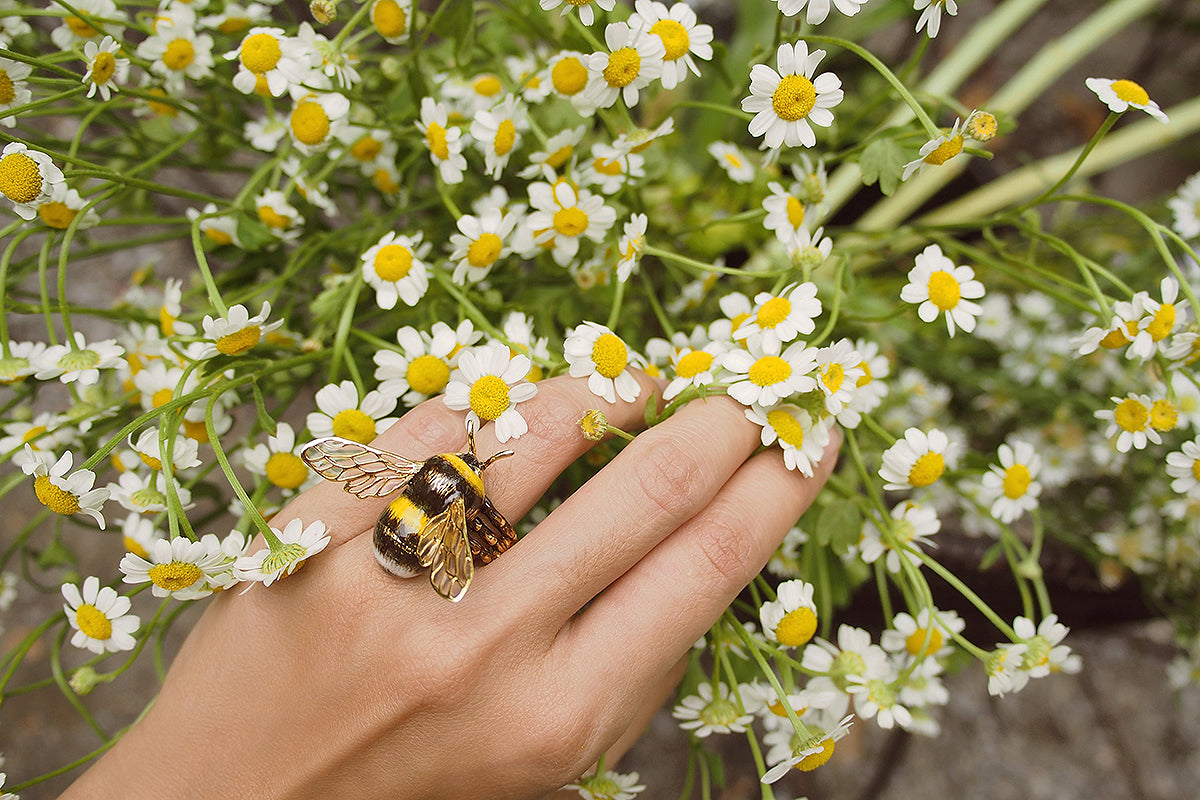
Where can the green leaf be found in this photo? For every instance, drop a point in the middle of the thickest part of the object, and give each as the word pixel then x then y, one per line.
pixel 839 526
pixel 882 160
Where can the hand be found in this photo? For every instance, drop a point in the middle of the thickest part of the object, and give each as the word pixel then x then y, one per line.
pixel 344 681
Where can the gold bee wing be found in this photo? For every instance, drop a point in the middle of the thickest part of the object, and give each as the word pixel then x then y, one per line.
pixel 446 550
pixel 366 471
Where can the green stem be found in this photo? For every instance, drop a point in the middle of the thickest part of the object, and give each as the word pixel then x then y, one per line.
pixel 1113 116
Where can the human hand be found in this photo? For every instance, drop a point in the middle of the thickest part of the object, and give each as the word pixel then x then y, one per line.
pixel 344 680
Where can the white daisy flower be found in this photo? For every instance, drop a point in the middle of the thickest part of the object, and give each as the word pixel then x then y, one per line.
pixel 138 534
pixel 341 414
pixel 45 431
pixel 788 102
pixel 909 532
pixel 785 210
pixel 280 216
pixel 926 637
pixel 940 286
pixel 834 664
pixel 937 151
pixel 185 452
pixel 63 491
pixel 100 617
pixel 265 134
pixel 317 119
pixel 178 568
pixel 1012 487
pixel 683 37
pixel 563 216
pixel 596 353
pixel 931 14
pixel 497 133
pixel 693 367
pixel 391 19
pixel 235 332
pixel 145 493
pixel 808 249
pixel 840 368
pixel 518 329
pixel 27 178
pixel 277 460
pixel 818 10
pixel 730 157
pixel 763 378
pixel 61 208
pixel 423 369
pixel 395 268
pixel 221 229
pixel 235 17
pixel 1159 319
pixel 1044 651
pixel 269 62
pixel 1130 421
pixel 1184 466
pixel 877 699
pixel 610 168
pixel 704 713
pixel 75 30
pixel 483 241
pixel 23 359
pixel 915 461
pixel 631 245
pixel 14 92
pixel 791 618
pixel 560 149
pixel 607 785
pixel 1185 206
pixel 177 52
pixel 331 63
pixel 634 61
pixel 1003 668
pixel 445 143
pixel 568 74
pixel 801 438
pixel 586 15
pixel 299 543
pixel 81 362
pixel 778 319
pixel 488 385
pixel 787 749
pixel 1120 95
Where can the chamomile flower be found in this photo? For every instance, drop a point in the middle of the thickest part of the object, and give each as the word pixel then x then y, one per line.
pixel 785 210
pixel 61 490
pixel 915 461
pixel 630 247
pixel 75 29
pixel 277 459
pixel 788 750
pixel 220 229
pixel 706 713
pixel 586 15
pixel 788 102
pixel 1044 651
pixel 423 369
pixel 488 385
pixel 568 74
pixel 764 378
pixel 1184 466
pixel 931 14
pixel 12 26
pixel 839 367
pixel 877 699
pixel 100 617
pixel 392 19
pixel 607 785
pixel 1159 319
pixel 563 215
pixel 908 533
pixel 807 249
pixel 1012 487
pixel 497 133
pixel 1185 206
pixel 339 413
pixel 1002 666
pixel 22 361
pixel 482 242
pixel 235 17
pixel 138 535
pixel 298 544
pixel 445 143
pixel 316 120
pixel 802 438
pixel 791 618
pixel 926 636
pixel 1122 94
pixel 27 178
pixel 1130 421
pixel 395 268
pixel 176 52
pixel 45 431
pixel 818 10
pixel 941 287
pixel 178 568
pixel 634 61
pixel 560 149
pixel 269 62
pixel 61 208
pixel 693 367
pixel 281 217
pixel 185 452
pixel 145 492
pixel 236 331
pixel 80 361
pixel 778 319
pixel 14 91
pixel 683 37
pixel 739 168
pixel 937 151
pixel 610 168
pixel 596 353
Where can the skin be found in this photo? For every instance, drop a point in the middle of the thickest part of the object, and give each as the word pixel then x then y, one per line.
pixel 344 681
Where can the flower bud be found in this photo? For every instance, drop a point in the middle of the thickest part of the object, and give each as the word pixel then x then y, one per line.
pixel 323 11
pixel 981 126
pixel 594 425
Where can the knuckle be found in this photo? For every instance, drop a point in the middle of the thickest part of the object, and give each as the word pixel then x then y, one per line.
pixel 668 472
pixel 718 538
pixel 565 747
pixel 433 427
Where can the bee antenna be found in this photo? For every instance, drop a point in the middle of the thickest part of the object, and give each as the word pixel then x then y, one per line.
pixel 496 457
pixel 471 437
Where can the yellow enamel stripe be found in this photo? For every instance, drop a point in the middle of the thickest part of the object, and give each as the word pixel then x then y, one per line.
pixel 468 474
pixel 402 510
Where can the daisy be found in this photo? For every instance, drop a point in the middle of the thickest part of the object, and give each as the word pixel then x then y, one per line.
pixel 220 229
pixel 763 378
pixel 61 208
pixel 915 461
pixel 786 104
pixel 840 369
pixel 610 168
pixel 14 92
pixel 341 414
pixel 27 178
pixel 639 139
pixel 281 217
pixel 907 534
pixel 778 319
pixel 1129 420
pixel 682 36
pixel 1012 487
pixel 877 699
pixel 177 52
pixel 45 431
pixel 80 361
pixel 235 17
pixel 939 286
pixel 607 785
pixel 488 385
pixel 785 210
pixel 236 331
pixel 568 75
pixel 791 618
pixel 818 10
pixel 497 133
pixel 801 438
pixel 1002 666
pixel 298 544
pixel 178 568
pixel 423 368
pixel 706 713
pixel 925 637
pixel 1184 466
pixel 736 165
pixel 395 268
pixel 100 617
pixel 630 247
pixel 1185 206
pixel 269 62
pixel 1120 95
pixel 560 149
pixel 1159 319
pixel 595 352
pixel 316 119
pixel 330 62
pixel 277 460
pixel 788 749
pixel 931 14
pixel 1044 651
pixel 937 151
pixel 22 361
pixel 145 493
pixel 11 25
pixel 586 15
pixel 564 215
pixel 391 19
pixel 808 250
pixel 445 144
pixel 481 243
pixel 693 367
pixel 63 491
pixel 75 29
pixel 185 453
pixel 634 61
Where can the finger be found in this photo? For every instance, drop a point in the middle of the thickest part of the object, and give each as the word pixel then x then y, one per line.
pixel 651 488
pixel 659 608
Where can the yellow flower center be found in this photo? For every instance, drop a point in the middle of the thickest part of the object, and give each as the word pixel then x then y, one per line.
pixel 435 137
pixel 786 427
pixel 427 374
pixel 354 425
pixel 151 461
pixel 389 19
pixel 915 643
pixel 484 251
pixel 81 28
pixel 795 211
pixel 231 344
pixel 1117 337
pixel 1016 481
pixel 928 469
pixel 260 53
pixel 1163 415
pixel 794 97
pixel 175 575
pixel 162 109
pixel 487 86
pixel 273 219
pixel 393 262
pixel 93 622
pixel 866 376
pixel 833 376
pixel 366 149
pixel 1131 415
pixel 769 370
pixel 610 355
pixel 179 54
pixel 944 291
pixel 773 312
pixel 56 215
pixel 623 67
pixel 8 92
pixel 945 151
pixel 489 397
pixel 982 126
pixel 310 123
pixel 160 398
pixel 506 134
pixel 1163 323
pixel 33 433
pixel 674 38
pixel 607 167
pixel 103 67
pixel 1130 92
pixel 796 627
pixel 385 182
pixel 814 760
pixel 217 235
pixel 234 24
pixel 135 547
pixel 1196 469
pixel 286 470
pixel 570 221
pixel 20 178
pixel 559 156
pixel 196 431
pixel 55 498
pixel 693 364
pixel 569 76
